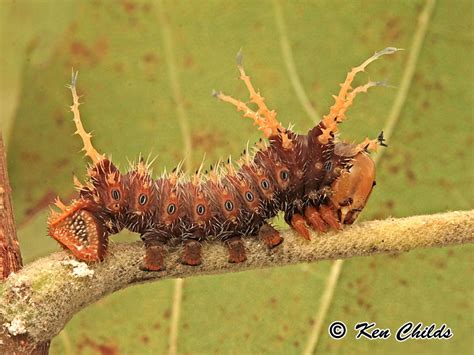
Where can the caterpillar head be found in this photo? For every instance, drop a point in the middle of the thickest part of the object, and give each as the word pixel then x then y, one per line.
pixel 352 188
pixel 79 230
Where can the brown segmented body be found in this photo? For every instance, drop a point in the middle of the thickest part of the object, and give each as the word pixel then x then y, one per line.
pixel 315 180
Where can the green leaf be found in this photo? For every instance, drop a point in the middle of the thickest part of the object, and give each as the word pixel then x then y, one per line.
pixel 124 52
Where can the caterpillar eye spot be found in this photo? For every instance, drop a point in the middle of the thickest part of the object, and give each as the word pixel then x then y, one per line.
pixel 249 196
pixel 284 175
pixel 229 206
pixel 171 208
pixel 265 184
pixel 200 209
pixel 142 199
pixel 115 194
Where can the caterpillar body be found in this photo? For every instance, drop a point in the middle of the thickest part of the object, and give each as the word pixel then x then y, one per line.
pixel 317 181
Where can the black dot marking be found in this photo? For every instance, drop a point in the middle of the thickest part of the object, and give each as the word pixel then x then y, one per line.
pixel 115 194
pixel 142 199
pixel 374 183
pixel 265 184
pixel 284 175
pixel 249 196
pixel 200 209
pixel 171 208
pixel 229 206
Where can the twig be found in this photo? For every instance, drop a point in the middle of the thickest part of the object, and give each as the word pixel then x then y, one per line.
pixel 10 262
pixel 10 257
pixel 48 292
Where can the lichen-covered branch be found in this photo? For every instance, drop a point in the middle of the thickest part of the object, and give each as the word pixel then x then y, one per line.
pixel 40 299
pixel 10 262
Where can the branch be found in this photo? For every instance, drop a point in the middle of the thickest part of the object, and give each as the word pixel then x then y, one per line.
pixel 40 299
pixel 10 262
pixel 10 257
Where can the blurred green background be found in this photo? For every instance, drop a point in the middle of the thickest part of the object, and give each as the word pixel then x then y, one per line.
pixel 136 59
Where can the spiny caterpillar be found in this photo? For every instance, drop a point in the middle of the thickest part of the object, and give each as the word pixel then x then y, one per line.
pixel 314 179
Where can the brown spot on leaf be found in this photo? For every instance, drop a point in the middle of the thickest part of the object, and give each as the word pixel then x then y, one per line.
pixel 118 67
pixel 410 174
pixel 439 263
pixel 79 49
pixel 403 282
pixel 129 6
pixel 390 205
pixel 207 141
pixel 167 313
pixel 346 309
pixel 44 201
pixel 61 163
pixel 146 7
pixel 99 348
pixel 188 61
pixel 30 156
pixel 58 117
pixel 92 54
pixel 393 29
pixel 150 57
pixel 373 264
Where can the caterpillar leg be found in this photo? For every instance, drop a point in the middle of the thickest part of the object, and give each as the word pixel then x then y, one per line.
pixel 264 118
pixel 329 215
pixel 314 219
pixel 270 236
pixel 236 248
pixel 154 259
pixel 299 224
pixel 88 148
pixel 345 96
pixel 192 252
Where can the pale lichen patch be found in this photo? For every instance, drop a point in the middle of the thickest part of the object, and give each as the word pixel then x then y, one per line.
pixel 16 326
pixel 79 268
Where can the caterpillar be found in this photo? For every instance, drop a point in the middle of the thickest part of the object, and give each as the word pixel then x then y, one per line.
pixel 317 181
